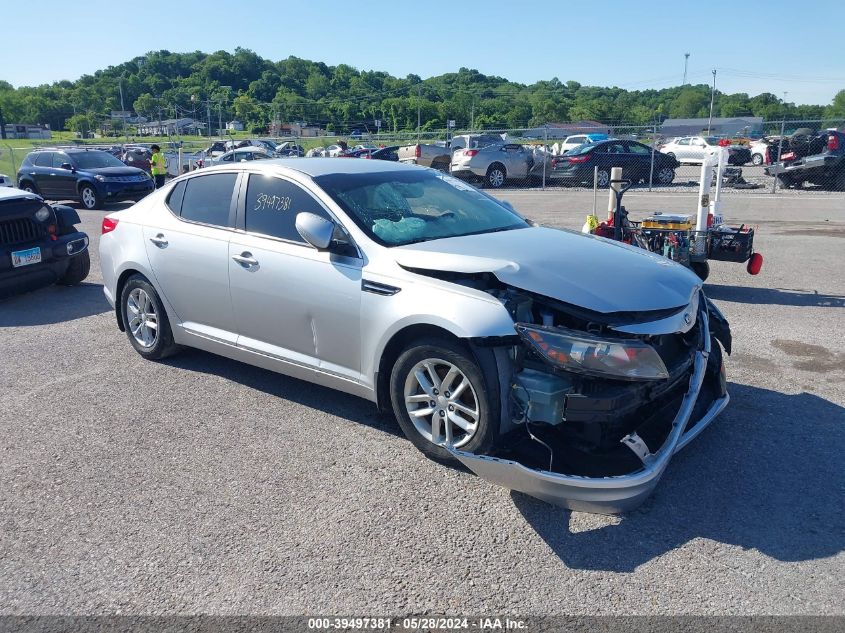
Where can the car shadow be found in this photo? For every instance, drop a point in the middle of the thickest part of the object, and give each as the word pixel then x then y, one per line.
pixel 774 296
pixel 308 394
pixel 767 476
pixel 53 304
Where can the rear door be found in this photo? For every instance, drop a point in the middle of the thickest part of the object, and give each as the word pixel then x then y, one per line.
pixel 617 156
pixel 42 167
pixel 639 156
pixel 515 160
pixel 188 250
pixel 697 149
pixel 63 180
pixel 682 151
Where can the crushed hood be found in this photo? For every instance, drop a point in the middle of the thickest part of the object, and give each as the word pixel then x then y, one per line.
pixel 591 272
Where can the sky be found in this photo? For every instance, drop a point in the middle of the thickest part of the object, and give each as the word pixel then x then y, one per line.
pixel 793 50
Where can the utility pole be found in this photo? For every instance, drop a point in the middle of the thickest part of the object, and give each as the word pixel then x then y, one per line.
pixel 686 61
pixel 712 97
pixel 419 99
pixel 208 112
pixel 472 116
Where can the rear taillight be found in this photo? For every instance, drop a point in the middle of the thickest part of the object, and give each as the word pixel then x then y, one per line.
pixel 554 162
pixel 417 151
pixel 833 142
pixel 578 159
pixel 109 225
pixel 470 152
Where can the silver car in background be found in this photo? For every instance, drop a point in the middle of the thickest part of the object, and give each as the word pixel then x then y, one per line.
pixel 494 164
pixel 562 365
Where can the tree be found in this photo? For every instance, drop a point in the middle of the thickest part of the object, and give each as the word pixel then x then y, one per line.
pixel 836 110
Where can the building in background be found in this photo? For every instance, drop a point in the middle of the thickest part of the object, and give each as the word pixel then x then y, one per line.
pixel 562 130
pixel 26 130
pixel 719 126
pixel 168 127
pixel 234 126
pixel 297 129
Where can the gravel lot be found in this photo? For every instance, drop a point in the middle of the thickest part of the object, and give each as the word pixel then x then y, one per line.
pixel 201 485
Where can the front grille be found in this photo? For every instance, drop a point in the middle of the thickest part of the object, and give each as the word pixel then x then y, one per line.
pixel 18 231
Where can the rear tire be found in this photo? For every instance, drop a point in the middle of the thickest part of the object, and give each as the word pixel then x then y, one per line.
pixel 145 319
pixel 757 159
pixel 603 179
pixel 496 176
pixel 665 176
pixel 29 187
pixel 77 270
pixel 450 419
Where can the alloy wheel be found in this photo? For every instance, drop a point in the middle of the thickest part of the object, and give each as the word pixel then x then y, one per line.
pixel 89 198
pixel 143 320
pixel 496 178
pixel 442 403
pixel 666 175
pixel 603 178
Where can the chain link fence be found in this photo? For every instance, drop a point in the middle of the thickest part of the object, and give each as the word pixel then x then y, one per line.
pixel 799 156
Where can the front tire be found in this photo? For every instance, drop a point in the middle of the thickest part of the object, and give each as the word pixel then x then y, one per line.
pixel 145 320
pixel 90 198
pixel 496 175
pixel 77 270
pixel 440 398
pixel 603 179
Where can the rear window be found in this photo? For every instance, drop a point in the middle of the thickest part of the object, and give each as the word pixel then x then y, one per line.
pixel 208 199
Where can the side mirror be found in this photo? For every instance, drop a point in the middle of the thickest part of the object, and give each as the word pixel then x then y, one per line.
pixel 67 166
pixel 317 231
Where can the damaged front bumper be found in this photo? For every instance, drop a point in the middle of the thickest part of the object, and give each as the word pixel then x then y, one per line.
pixel 615 493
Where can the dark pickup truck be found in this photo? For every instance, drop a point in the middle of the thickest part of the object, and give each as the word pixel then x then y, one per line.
pixel 823 164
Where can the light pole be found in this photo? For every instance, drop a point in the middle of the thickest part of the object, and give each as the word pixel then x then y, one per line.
pixel 712 97
pixel 686 61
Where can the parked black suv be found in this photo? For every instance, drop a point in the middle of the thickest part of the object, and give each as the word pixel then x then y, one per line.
pixel 39 244
pixel 90 176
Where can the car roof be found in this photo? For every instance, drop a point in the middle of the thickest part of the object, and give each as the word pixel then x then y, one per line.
pixel 315 167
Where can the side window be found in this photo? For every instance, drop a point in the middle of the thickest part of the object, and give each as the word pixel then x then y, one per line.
pixel 228 158
pixel 174 200
pixel 616 148
pixel 683 141
pixel 577 139
pixel 44 159
pixel 60 159
pixel 636 148
pixel 207 199
pixel 272 205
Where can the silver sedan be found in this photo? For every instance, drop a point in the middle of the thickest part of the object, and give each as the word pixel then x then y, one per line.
pixel 562 365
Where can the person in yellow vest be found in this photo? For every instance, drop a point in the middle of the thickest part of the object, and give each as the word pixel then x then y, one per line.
pixel 158 166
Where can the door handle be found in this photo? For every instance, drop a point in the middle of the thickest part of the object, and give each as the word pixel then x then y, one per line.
pixel 245 259
pixel 159 241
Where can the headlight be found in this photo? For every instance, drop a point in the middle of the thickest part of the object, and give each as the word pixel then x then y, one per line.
pixel 100 178
pixel 42 214
pixel 585 354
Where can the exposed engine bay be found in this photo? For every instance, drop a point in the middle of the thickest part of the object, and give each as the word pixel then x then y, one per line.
pixel 586 396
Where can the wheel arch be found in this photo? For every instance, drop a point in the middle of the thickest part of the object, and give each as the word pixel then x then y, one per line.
pixel 402 339
pixel 123 277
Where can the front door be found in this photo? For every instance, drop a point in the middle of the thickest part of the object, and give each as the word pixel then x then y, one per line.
pixel 189 254
pixel 292 301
